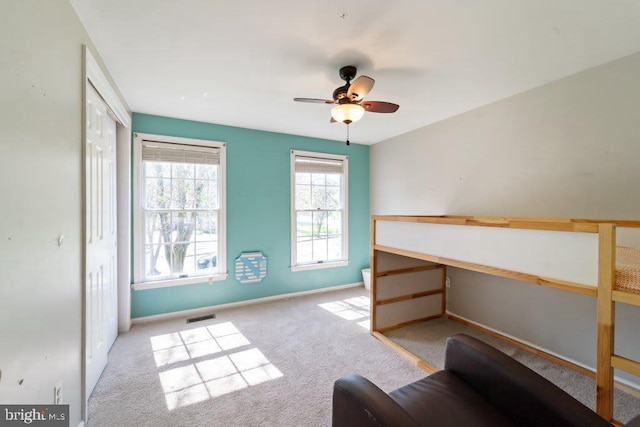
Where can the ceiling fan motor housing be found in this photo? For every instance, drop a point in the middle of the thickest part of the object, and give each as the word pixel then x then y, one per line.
pixel 341 93
pixel 347 74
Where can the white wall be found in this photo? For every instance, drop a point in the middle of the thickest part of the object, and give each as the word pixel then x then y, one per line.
pixel 41 199
pixel 123 152
pixel 567 149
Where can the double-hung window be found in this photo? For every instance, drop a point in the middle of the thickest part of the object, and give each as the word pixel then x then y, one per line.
pixel 319 217
pixel 179 211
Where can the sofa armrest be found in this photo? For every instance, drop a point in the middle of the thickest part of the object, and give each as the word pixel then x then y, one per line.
pixel 522 395
pixel 358 402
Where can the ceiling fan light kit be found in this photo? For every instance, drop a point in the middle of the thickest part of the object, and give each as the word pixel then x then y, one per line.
pixel 347 113
pixel 349 107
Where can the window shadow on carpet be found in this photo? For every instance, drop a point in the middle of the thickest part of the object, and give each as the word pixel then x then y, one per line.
pixel 226 363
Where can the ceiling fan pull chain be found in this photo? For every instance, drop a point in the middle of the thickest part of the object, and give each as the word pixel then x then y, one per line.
pixel 348 143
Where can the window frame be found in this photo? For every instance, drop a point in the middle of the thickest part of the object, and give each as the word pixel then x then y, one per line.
pixel 138 193
pixel 345 212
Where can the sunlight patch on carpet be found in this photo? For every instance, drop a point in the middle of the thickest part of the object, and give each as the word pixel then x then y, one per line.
pixel 213 376
pixel 357 308
pixel 365 324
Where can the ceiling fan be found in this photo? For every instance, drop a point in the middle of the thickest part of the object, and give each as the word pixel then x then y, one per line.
pixel 348 99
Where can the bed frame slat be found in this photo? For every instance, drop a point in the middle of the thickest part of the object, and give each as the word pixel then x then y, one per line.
pixel 626 297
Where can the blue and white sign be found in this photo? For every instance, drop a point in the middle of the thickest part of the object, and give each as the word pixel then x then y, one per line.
pixel 251 267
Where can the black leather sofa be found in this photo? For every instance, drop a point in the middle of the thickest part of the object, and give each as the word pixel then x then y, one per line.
pixel 479 386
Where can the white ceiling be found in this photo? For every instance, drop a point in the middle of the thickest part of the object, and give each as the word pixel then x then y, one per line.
pixel 241 63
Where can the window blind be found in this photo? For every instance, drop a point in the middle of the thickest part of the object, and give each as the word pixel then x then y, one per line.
pixel 315 165
pixel 178 153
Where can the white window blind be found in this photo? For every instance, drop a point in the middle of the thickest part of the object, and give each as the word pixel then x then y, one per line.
pixel 179 153
pixel 316 165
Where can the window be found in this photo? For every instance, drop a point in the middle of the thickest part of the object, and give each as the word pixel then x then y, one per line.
pixel 318 210
pixel 179 211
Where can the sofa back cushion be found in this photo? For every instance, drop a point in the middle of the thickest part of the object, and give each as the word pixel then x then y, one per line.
pixel 515 390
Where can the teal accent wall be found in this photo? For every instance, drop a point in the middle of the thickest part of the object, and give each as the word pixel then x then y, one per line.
pixel 258 215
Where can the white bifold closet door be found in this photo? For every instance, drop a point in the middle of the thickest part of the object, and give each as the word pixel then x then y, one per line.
pixel 101 326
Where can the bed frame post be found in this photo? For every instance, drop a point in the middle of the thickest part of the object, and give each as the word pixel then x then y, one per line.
pixel 606 320
pixel 373 297
pixel 444 291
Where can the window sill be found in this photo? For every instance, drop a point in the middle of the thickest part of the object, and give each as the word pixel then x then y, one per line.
pixel 178 282
pixel 318 266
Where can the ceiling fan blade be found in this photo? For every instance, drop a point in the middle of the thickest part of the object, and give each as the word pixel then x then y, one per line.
pixel 314 100
pixel 380 107
pixel 360 87
pixel 333 120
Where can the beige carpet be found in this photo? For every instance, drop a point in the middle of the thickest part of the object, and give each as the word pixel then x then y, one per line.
pixel 273 364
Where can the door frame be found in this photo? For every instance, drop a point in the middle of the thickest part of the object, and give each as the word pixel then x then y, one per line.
pixel 92 73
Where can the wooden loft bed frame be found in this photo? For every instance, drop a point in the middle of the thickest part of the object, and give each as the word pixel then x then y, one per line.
pixel 483 244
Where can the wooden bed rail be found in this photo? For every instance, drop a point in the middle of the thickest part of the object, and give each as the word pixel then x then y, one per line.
pixel 494 271
pixel 550 224
pixel 626 297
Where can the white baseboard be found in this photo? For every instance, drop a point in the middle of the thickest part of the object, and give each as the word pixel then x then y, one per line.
pixel 553 353
pixel 205 310
pixel 123 330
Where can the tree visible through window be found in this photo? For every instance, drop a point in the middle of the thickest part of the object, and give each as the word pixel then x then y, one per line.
pixel 180 226
pixel 319 208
